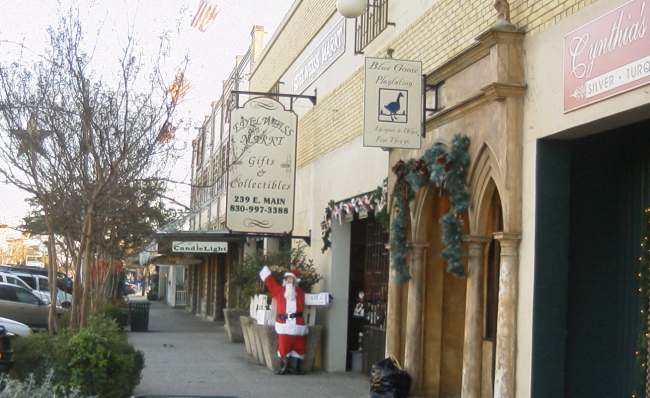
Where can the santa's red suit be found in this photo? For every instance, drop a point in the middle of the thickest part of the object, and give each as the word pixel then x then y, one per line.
pixel 289 322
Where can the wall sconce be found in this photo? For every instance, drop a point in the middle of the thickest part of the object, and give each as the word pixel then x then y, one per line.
pixel 351 8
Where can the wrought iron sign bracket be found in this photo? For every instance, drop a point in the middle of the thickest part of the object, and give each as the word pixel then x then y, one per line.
pixel 426 109
pixel 292 97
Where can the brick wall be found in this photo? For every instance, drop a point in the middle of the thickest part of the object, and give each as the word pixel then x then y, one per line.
pixel 445 30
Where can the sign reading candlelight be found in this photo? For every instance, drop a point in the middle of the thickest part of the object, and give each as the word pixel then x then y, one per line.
pixel 262 173
pixel 199 247
pixel 607 56
pixel 392 103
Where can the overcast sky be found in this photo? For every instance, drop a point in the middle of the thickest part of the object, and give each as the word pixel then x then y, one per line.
pixel 211 53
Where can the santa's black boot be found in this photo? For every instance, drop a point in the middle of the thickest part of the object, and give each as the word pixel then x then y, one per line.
pixel 284 366
pixel 294 366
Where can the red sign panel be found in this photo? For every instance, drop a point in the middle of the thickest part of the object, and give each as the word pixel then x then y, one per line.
pixel 607 56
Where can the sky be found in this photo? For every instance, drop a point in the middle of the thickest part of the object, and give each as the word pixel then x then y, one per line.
pixel 211 53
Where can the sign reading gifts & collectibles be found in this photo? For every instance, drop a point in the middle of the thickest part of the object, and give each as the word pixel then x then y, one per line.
pixel 607 56
pixel 262 172
pixel 392 103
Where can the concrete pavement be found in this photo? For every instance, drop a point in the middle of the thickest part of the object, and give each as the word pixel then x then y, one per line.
pixel 185 355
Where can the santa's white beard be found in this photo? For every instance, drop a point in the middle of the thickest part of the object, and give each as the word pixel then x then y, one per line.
pixel 289 291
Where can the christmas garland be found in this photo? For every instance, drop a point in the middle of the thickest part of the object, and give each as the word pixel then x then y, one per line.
pixel 372 202
pixel 446 170
pixel 642 353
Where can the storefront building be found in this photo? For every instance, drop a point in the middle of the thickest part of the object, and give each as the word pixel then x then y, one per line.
pixel 557 179
pixel 340 183
pixel 583 300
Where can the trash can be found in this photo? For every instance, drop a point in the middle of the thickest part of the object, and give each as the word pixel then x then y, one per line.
pixel 139 315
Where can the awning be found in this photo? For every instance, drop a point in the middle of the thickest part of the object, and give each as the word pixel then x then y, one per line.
pixel 175 260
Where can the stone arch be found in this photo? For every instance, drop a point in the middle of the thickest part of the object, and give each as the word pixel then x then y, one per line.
pixel 485 179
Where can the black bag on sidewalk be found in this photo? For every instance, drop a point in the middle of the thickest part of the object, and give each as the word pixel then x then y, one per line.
pixel 388 380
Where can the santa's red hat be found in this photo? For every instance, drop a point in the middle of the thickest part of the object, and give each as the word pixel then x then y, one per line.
pixel 294 273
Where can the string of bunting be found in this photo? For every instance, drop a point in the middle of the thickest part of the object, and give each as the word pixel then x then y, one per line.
pixel 446 170
pixel 642 353
pixel 371 202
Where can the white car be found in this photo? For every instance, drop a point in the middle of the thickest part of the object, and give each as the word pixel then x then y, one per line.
pixel 15 328
pixel 39 285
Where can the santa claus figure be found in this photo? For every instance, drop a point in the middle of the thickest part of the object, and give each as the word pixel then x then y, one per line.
pixel 289 322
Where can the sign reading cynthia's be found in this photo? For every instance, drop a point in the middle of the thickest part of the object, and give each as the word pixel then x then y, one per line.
pixel 199 247
pixel 392 103
pixel 262 170
pixel 607 56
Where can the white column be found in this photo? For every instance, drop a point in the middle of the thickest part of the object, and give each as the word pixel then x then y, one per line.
pixel 413 347
pixel 504 375
pixel 472 346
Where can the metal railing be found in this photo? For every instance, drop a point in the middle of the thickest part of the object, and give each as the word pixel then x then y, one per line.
pixel 181 298
pixel 369 25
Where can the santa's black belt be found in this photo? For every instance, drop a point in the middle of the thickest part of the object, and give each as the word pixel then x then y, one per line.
pixel 284 317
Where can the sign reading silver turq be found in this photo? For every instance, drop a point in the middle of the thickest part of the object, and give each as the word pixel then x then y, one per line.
pixel 199 247
pixel 392 103
pixel 262 172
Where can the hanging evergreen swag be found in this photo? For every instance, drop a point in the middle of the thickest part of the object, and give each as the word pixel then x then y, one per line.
pixel 371 202
pixel 642 353
pixel 447 170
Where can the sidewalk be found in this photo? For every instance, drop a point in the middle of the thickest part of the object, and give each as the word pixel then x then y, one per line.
pixel 186 355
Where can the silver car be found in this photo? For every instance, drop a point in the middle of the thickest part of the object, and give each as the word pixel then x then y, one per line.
pixel 21 305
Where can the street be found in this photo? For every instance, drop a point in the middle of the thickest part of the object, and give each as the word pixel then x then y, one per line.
pixel 189 356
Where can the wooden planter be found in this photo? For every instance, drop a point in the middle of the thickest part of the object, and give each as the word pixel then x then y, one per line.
pixel 246 323
pixel 232 324
pixel 268 346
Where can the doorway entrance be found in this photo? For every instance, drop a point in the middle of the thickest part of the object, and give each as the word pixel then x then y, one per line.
pixel 591 194
pixel 368 293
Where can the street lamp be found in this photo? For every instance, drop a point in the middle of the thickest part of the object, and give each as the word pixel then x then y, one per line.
pixel 351 8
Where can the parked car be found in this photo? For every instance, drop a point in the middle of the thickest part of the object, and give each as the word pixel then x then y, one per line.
pixel 63 281
pixel 6 353
pixel 40 286
pixel 15 328
pixel 20 304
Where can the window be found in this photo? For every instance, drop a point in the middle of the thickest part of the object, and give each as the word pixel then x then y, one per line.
pixel 8 293
pixel 369 25
pixel 26 297
pixel 43 285
pixel 29 280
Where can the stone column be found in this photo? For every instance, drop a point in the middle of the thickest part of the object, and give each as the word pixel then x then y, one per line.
pixel 393 316
pixel 413 348
pixel 504 375
pixel 472 346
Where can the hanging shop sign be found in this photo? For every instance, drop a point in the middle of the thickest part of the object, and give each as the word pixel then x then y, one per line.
pixel 328 50
pixel 262 172
pixel 607 56
pixel 392 103
pixel 199 247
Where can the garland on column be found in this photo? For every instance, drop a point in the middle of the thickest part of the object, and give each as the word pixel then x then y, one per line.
pixel 643 290
pixel 372 202
pixel 447 170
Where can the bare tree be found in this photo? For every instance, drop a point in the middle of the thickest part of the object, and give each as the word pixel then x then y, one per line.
pixel 73 139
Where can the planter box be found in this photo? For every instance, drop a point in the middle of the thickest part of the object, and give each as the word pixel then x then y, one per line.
pixel 268 346
pixel 246 325
pixel 232 324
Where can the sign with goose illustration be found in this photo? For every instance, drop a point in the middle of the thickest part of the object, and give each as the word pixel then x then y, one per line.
pixel 392 103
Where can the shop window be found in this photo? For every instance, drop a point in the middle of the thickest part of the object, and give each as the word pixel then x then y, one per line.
pixel 370 24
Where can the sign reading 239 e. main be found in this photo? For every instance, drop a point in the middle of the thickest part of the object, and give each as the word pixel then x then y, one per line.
pixel 392 103
pixel 262 172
